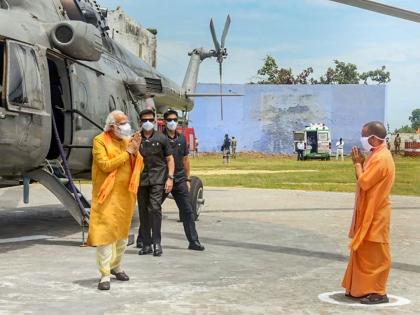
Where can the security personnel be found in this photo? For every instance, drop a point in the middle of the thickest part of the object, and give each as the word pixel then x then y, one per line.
pixel 156 180
pixel 182 181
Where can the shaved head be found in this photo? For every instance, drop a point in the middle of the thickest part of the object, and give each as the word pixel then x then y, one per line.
pixel 374 128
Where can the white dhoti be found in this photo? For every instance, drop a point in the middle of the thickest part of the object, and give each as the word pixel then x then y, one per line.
pixel 109 257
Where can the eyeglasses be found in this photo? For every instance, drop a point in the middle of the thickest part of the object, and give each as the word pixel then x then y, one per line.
pixel 171 119
pixel 148 119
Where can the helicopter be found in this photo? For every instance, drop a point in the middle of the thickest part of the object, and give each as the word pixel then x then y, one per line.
pixel 60 76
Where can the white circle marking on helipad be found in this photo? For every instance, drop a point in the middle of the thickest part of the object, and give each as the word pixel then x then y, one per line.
pixel 327 297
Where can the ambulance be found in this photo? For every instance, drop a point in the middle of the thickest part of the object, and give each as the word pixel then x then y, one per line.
pixel 317 140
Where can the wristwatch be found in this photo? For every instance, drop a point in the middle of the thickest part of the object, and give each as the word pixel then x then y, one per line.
pixel 171 177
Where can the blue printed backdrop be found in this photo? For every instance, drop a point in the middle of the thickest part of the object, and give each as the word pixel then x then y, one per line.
pixel 264 118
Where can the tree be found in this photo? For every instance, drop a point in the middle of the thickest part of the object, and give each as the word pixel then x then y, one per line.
pixel 341 73
pixel 378 75
pixel 415 119
pixel 345 73
pixel 269 69
pixel 302 78
pixel 272 74
pixel 153 31
pixel 404 129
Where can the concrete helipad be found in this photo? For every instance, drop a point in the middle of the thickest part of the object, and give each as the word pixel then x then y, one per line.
pixel 267 252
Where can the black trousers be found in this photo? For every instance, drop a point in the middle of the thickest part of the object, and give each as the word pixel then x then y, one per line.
pixel 300 155
pixel 182 199
pixel 150 200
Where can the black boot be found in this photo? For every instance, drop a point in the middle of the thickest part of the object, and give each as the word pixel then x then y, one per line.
pixel 157 250
pixel 147 249
pixel 196 246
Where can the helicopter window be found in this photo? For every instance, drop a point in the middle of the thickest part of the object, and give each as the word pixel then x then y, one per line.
pixel 24 85
pixel 80 11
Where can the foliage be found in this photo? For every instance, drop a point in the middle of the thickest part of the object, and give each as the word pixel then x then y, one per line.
pixel 274 75
pixel 378 75
pixel 153 31
pixel 341 73
pixel 415 119
pixel 415 123
pixel 404 129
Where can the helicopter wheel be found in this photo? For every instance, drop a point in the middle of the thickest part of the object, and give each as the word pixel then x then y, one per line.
pixel 196 195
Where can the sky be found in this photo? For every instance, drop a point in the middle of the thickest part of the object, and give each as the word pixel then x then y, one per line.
pixel 297 33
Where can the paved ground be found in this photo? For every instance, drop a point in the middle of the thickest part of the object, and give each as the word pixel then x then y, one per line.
pixel 267 252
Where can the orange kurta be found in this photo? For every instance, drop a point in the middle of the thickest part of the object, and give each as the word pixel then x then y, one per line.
pixel 370 260
pixel 110 220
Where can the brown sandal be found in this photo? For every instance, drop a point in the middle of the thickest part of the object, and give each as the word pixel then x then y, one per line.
pixel 121 276
pixel 106 285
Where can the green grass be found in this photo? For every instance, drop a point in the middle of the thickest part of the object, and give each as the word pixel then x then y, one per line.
pixel 329 175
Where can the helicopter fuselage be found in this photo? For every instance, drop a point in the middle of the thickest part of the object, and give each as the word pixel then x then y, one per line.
pixel 38 82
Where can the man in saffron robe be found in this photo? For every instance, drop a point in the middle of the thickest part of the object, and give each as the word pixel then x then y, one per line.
pixel 370 261
pixel 116 172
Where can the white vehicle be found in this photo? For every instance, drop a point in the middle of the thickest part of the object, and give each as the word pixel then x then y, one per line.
pixel 317 139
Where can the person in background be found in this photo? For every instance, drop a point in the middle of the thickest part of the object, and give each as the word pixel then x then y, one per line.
pixel 300 148
pixel 370 260
pixel 116 172
pixel 397 143
pixel 226 149
pixel 233 146
pixel 196 147
pixel 339 149
pixel 388 143
pixel 182 179
pixel 156 180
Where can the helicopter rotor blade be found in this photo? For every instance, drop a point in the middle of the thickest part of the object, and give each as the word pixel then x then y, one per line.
pixel 221 88
pixel 225 31
pixel 382 8
pixel 213 35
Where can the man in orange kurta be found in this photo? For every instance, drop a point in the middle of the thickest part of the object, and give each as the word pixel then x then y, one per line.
pixel 370 261
pixel 116 170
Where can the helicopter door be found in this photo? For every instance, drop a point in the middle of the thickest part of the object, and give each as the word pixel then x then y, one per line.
pixel 60 103
pixel 28 123
pixel 88 97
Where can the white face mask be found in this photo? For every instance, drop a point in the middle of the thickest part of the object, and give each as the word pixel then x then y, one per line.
pixel 172 125
pixel 123 131
pixel 147 126
pixel 365 143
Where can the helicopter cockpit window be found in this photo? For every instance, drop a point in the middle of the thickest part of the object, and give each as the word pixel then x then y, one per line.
pixel 24 79
pixel 81 11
